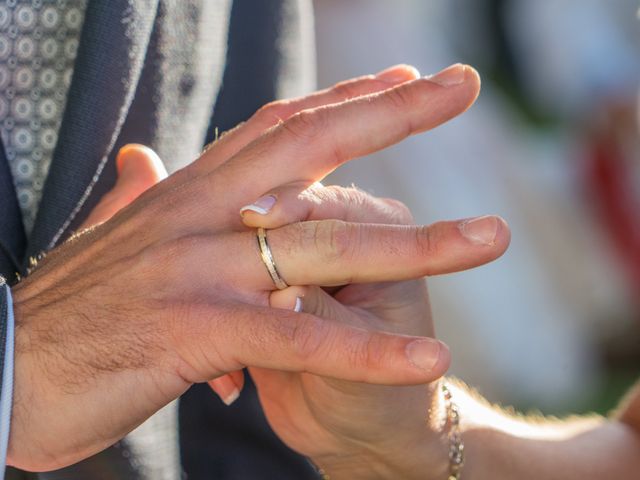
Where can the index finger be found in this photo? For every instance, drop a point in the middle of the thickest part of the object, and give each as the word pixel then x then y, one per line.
pixel 233 141
pixel 314 142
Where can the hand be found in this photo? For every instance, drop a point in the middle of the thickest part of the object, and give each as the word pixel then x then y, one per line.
pixel 123 318
pixel 139 169
pixel 355 430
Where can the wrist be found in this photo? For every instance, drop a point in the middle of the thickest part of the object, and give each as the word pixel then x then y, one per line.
pixel 420 453
pixel 421 460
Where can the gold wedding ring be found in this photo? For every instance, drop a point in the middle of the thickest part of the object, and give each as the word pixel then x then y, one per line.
pixel 267 259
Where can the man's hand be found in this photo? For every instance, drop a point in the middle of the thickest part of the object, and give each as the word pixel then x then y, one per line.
pixel 122 319
pixel 355 430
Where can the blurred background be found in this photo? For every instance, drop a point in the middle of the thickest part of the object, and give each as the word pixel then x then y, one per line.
pixel 553 146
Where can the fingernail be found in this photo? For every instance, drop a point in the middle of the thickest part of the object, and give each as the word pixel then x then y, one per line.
pixel 226 389
pixel 298 306
pixel 480 230
pixel 262 206
pixel 398 73
pixel 424 354
pixel 450 76
pixel 231 397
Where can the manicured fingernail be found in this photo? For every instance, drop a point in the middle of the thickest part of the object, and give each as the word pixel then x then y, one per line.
pixel 480 230
pixel 424 353
pixel 298 306
pixel 262 206
pixel 398 73
pixel 450 76
pixel 227 389
pixel 231 397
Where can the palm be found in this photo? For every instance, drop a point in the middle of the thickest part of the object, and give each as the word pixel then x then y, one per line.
pixel 315 415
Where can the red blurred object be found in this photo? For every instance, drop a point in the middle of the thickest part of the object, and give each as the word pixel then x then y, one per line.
pixel 609 179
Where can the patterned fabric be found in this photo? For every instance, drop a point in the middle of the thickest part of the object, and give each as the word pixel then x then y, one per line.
pixel 38 45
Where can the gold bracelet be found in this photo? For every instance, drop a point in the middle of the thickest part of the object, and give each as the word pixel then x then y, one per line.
pixel 456 446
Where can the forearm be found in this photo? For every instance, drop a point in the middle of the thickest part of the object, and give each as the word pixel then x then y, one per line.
pixel 500 445
pixel 610 449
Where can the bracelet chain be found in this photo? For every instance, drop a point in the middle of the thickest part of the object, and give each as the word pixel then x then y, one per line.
pixel 456 446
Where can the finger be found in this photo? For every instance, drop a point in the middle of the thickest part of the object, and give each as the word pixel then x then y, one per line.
pixel 299 342
pixel 314 142
pixel 273 113
pixel 332 252
pixel 229 386
pixel 317 301
pixel 313 300
pixel 295 203
pixel 139 168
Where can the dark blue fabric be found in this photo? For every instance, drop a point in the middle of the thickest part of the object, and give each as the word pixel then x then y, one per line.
pixel 236 442
pixel 12 236
pixel 251 72
pixel 4 315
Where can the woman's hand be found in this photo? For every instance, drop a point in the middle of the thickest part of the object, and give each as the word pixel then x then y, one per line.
pixel 355 430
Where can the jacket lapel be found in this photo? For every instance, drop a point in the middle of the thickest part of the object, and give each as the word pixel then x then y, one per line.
pixel 12 236
pixel 110 57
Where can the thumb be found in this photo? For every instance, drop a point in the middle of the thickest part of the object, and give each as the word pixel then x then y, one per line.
pixel 139 168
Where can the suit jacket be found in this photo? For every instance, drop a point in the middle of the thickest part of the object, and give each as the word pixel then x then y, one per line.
pixel 166 73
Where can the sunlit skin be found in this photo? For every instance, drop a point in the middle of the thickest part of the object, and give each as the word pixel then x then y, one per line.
pixel 170 290
pixel 355 430
pixel 361 431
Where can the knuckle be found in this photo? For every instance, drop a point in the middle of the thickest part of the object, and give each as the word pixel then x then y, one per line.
pixel 352 88
pixel 399 98
pixel 362 206
pixel 171 202
pixel 272 113
pixel 307 336
pixel 370 349
pixel 353 196
pixel 347 198
pixel 336 240
pixel 426 240
pixel 292 238
pixel 399 212
pixel 307 125
pixel 402 100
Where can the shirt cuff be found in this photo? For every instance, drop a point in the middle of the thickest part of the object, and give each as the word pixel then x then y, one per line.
pixel 6 394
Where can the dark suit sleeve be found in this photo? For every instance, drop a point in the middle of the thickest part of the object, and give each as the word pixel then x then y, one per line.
pixel 6 369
